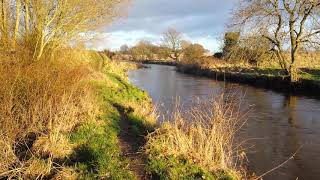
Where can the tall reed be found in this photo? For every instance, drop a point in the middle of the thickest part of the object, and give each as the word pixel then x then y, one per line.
pixel 40 104
pixel 204 136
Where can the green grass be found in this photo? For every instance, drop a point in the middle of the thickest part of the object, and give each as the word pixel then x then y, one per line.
pixel 98 153
pixel 180 168
pixel 122 93
pixel 307 74
pixel 310 74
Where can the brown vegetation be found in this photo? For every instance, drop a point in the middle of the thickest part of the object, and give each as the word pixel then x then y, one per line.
pixel 40 104
pixel 40 27
pixel 204 137
pixel 44 94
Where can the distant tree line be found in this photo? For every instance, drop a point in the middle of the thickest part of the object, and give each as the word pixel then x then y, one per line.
pixel 173 47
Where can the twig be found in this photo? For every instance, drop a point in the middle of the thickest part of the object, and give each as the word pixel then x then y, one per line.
pixel 280 165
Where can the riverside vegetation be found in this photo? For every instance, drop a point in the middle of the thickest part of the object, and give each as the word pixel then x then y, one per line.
pixel 59 121
pixel 69 113
pixel 62 121
pixel 237 62
pixel 275 43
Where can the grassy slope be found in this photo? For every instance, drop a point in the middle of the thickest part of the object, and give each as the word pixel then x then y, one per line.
pixel 98 152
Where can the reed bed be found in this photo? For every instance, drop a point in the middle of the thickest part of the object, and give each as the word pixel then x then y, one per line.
pixel 40 104
pixel 203 137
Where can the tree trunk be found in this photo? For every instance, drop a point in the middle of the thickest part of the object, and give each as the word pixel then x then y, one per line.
pixel 293 71
pixel 38 51
pixel 4 28
pixel 26 18
pixel 294 75
pixel 176 56
pixel 17 23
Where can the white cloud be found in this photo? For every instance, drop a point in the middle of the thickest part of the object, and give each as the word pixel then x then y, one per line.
pixel 208 42
pixel 200 20
pixel 113 40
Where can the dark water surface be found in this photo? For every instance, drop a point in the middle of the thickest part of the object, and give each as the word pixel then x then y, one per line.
pixel 280 123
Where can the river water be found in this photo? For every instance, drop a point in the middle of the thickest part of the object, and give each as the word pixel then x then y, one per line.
pixel 278 126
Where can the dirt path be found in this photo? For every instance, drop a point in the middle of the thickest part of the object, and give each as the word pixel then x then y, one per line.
pixel 131 147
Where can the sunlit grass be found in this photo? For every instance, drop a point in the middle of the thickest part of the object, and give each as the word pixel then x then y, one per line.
pixel 309 68
pixel 58 119
pixel 199 144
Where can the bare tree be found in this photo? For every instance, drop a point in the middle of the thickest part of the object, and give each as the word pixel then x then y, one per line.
pixel 124 49
pixel 288 24
pixel 173 39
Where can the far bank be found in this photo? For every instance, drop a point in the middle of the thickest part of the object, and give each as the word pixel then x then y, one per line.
pixel 308 85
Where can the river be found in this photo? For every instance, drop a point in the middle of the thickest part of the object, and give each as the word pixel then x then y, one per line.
pixel 278 126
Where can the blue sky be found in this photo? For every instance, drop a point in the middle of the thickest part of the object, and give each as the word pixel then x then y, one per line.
pixel 200 21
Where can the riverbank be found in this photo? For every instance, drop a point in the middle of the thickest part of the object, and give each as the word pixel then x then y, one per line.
pixel 160 164
pixel 133 123
pixel 116 140
pixel 309 84
pixel 92 124
pixel 168 63
pixel 66 119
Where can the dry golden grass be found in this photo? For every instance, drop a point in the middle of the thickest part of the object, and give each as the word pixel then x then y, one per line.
pixel 40 104
pixel 120 68
pixel 7 155
pixel 308 60
pixel 53 145
pixel 37 168
pixel 204 136
pixel 66 174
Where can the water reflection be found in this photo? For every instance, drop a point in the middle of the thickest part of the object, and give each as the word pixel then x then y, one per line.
pixel 278 126
pixel 291 103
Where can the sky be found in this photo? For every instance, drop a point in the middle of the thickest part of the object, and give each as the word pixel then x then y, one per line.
pixel 200 21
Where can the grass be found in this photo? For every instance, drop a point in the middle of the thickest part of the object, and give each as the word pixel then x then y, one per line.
pixel 310 74
pixel 201 147
pixel 61 120
pixel 309 67
pixel 98 153
pixel 41 103
pixel 58 119
pixel 99 141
